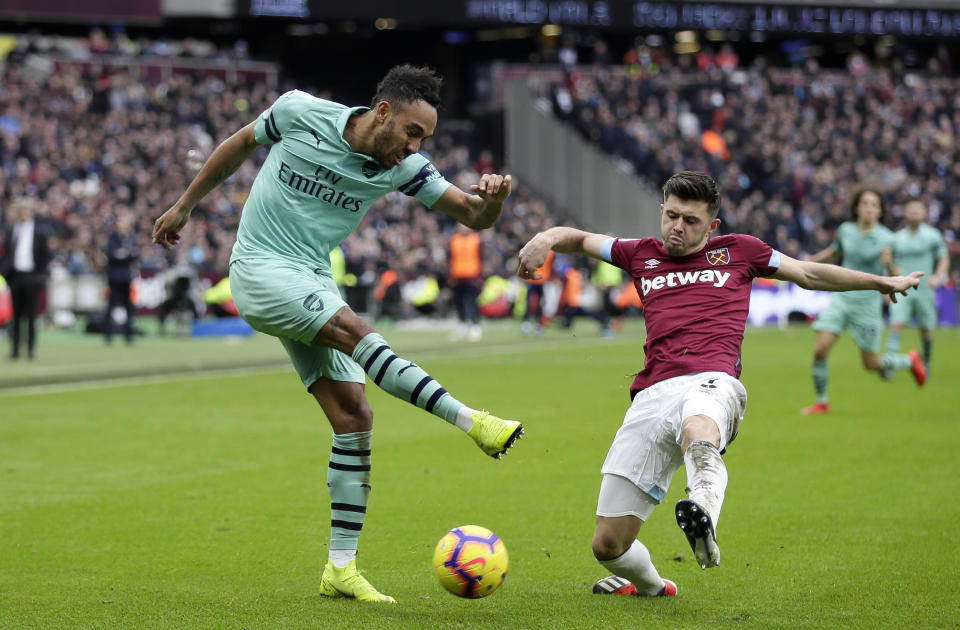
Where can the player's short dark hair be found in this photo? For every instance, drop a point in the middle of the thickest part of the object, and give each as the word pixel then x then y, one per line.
pixel 406 84
pixel 855 201
pixel 694 186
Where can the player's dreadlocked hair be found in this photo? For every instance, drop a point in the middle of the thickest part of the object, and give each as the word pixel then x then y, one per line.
pixel 694 186
pixel 859 193
pixel 405 84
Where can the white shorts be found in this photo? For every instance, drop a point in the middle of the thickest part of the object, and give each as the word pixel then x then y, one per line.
pixel 646 449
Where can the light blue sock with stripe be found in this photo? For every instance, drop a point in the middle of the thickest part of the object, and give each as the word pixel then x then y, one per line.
pixel 897 361
pixel 821 375
pixel 348 482
pixel 893 342
pixel 404 379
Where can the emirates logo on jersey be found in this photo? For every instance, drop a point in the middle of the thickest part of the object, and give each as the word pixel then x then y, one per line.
pixel 718 256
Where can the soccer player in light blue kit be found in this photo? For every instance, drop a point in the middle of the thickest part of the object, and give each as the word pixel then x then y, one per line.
pixel 328 164
pixel 863 244
pixel 918 247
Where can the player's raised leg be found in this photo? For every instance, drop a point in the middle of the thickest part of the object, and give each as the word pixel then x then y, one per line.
pixel 350 334
pixel 698 515
pixel 615 544
pixel 712 411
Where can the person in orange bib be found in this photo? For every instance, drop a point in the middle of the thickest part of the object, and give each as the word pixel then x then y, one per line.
pixel 466 275
pixel 535 285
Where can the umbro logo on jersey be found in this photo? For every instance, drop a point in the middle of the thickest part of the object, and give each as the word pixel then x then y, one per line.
pixel 718 256
pixel 652 263
pixel 683 278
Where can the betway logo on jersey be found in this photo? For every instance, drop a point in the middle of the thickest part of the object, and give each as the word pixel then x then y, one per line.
pixel 682 278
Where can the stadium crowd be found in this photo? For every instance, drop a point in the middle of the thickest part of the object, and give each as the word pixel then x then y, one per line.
pixel 786 143
pixel 93 148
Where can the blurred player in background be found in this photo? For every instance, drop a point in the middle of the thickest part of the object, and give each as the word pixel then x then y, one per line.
pixel 918 247
pixel 863 244
pixel 328 164
pixel 688 401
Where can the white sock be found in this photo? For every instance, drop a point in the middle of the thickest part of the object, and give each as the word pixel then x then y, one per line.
pixel 464 422
pixel 636 566
pixel 706 477
pixel 342 557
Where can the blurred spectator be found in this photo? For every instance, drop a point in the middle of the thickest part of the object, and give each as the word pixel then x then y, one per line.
pixel 573 302
pixel 123 254
pixel 535 298
pixel 466 276
pixel 567 55
pixel 608 278
pixel 24 256
pixel 184 298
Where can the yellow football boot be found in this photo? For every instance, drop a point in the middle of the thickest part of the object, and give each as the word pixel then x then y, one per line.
pixel 494 435
pixel 347 582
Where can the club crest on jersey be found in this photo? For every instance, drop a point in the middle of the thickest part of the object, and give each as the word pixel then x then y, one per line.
pixel 719 256
pixel 370 168
pixel 313 302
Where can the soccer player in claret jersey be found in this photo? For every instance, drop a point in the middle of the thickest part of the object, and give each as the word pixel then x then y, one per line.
pixel 328 164
pixel 863 244
pixel 918 247
pixel 687 401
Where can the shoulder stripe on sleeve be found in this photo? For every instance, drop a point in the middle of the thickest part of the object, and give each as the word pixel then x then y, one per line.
pixel 774 259
pixel 271 128
pixel 424 175
pixel 606 250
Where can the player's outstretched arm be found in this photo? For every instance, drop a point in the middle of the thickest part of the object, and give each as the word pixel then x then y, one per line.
pixel 222 163
pixel 559 239
pixel 826 277
pixel 826 255
pixel 481 207
pixel 941 272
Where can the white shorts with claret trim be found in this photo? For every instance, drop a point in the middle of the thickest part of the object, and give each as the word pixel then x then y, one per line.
pixel 646 449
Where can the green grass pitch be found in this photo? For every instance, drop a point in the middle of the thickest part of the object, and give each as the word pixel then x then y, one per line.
pixel 200 502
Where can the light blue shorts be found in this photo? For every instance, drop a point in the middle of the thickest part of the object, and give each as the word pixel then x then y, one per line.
pixel 293 302
pixel 919 305
pixel 865 322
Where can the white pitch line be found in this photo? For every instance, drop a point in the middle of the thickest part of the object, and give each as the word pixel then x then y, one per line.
pixel 131 381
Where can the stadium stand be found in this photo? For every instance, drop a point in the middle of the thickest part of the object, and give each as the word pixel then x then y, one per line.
pixel 786 142
pixel 99 125
pixel 92 137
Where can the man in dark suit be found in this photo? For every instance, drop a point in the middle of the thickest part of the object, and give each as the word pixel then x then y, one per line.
pixel 123 252
pixel 24 256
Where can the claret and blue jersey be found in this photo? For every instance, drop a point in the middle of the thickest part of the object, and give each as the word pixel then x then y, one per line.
pixel 695 306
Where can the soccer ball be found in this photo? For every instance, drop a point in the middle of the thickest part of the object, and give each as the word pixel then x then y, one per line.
pixel 470 561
